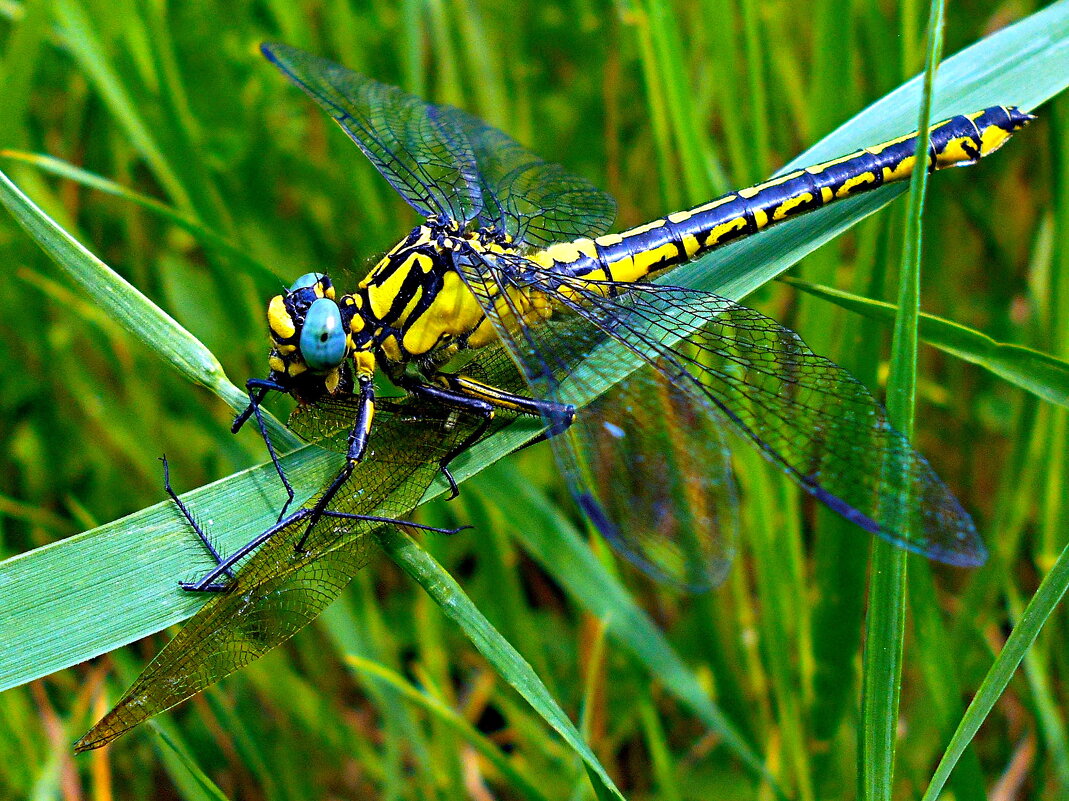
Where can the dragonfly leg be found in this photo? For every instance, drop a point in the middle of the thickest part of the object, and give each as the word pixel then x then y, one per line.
pixel 202 535
pixel 466 393
pixel 455 400
pixel 394 521
pixel 558 416
pixel 257 388
pixel 210 582
pixel 357 445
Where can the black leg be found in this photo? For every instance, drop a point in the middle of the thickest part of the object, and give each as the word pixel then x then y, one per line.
pixel 257 389
pixel 357 445
pixel 210 582
pixel 461 392
pixel 457 401
pixel 201 533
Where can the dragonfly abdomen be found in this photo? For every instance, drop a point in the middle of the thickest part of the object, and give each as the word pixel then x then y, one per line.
pixel 648 249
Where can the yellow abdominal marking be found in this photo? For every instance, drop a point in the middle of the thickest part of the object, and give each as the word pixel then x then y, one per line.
pixel 565 253
pixel 993 138
pixel 739 223
pixel 755 190
pixel 954 153
pixel 900 170
pixel 853 183
pixel 638 265
pixel 786 207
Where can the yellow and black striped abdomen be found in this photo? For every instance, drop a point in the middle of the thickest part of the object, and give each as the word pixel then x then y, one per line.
pixel 638 253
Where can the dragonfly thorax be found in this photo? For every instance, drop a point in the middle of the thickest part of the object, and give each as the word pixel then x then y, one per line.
pixel 413 305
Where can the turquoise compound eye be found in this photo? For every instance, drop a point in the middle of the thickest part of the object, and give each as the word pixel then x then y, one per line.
pixel 305 281
pixel 322 337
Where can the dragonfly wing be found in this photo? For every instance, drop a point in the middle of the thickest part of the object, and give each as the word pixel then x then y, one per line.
pixel 279 590
pixel 645 459
pixel 803 412
pixel 650 468
pixel 534 201
pixel 420 151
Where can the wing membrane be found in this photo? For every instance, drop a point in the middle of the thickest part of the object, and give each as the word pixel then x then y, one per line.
pixel 803 412
pixel 421 152
pixel 279 590
pixel 443 161
pixel 534 201
pixel 645 459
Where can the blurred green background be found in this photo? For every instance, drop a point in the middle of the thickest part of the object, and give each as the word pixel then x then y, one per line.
pixel 664 105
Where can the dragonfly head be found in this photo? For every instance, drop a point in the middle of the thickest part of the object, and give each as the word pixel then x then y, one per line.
pixel 310 330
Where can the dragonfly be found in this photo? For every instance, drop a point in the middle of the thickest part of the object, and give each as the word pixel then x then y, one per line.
pixel 511 299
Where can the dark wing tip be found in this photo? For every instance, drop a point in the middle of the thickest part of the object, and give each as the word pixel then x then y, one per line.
pixel 971 554
pixel 92 739
pixel 270 50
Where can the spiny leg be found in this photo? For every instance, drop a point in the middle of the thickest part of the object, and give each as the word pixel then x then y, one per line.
pixel 358 439
pixel 210 581
pixel 257 389
pixel 455 400
pixel 201 533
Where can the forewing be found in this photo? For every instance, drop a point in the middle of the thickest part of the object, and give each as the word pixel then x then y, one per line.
pixel 422 153
pixel 803 412
pixel 279 590
pixel 645 459
pixel 534 201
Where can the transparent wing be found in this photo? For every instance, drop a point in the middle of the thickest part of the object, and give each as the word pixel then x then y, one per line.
pixel 645 459
pixel 420 151
pixel 279 590
pixel 532 200
pixel 803 412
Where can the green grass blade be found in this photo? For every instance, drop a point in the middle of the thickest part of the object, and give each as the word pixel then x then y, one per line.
pixel 885 626
pixel 1024 64
pixel 130 566
pixel 53 596
pixel 129 307
pixel 1035 615
pixel 455 603
pixel 196 784
pixel 85 45
pixel 21 53
pixel 453 721
pixel 119 583
pixel 206 236
pixel 556 544
pixel 1043 375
